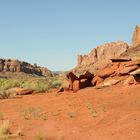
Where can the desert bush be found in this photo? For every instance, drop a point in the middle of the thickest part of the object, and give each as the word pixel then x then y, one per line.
pixel 32 112
pixel 5 94
pixel 4 130
pixel 38 84
pixel 5 133
pixel 92 110
pixel 40 136
pixel 56 84
pixel 71 114
pixel 6 84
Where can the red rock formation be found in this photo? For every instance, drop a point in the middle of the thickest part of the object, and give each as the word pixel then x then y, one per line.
pixel 76 85
pixel 136 37
pixel 71 77
pixel 101 55
pixel 130 81
pixel 97 80
pixel 9 65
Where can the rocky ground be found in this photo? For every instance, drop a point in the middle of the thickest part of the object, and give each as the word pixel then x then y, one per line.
pixel 89 114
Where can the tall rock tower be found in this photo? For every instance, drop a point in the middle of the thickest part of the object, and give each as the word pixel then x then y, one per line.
pixel 136 37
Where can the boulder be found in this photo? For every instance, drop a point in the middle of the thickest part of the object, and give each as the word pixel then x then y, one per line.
pixel 132 63
pixel 130 81
pixel 106 72
pixel 22 91
pixel 71 77
pixel 87 75
pixel 111 82
pixel 84 83
pixel 97 80
pixel 136 72
pixel 61 89
pixel 126 70
pixel 76 85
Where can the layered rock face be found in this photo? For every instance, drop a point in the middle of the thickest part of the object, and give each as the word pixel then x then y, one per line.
pixel 136 37
pixel 101 54
pixel 125 71
pixel 8 65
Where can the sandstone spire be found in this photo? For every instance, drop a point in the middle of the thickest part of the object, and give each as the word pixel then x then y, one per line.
pixel 136 37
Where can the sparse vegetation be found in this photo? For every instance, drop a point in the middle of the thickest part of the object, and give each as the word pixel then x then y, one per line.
pixel 72 114
pixel 4 129
pixel 40 136
pixel 37 84
pixel 5 94
pixel 5 132
pixel 92 110
pixel 33 113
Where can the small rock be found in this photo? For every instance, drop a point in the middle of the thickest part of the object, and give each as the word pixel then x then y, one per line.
pixel 111 82
pixel 60 90
pixel 136 72
pixel 130 81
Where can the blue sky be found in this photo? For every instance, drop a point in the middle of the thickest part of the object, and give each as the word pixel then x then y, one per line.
pixel 52 32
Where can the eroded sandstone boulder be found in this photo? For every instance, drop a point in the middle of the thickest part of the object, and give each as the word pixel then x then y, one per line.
pixel 111 82
pixel 97 81
pixel 127 70
pixel 106 72
pixel 76 85
pixel 22 91
pixel 83 81
pixel 136 72
pixel 130 81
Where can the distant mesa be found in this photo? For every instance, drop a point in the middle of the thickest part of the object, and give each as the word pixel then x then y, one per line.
pixel 10 65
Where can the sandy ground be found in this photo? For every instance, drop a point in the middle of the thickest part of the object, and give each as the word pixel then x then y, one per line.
pixel 112 113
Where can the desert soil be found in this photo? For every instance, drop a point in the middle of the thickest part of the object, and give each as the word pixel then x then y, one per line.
pixel 111 113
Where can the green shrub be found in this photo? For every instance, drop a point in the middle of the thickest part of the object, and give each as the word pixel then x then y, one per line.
pixel 6 84
pixel 5 133
pixel 33 113
pixel 56 84
pixel 38 84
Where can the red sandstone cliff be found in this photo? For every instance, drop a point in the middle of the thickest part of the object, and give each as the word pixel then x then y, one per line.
pixel 101 55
